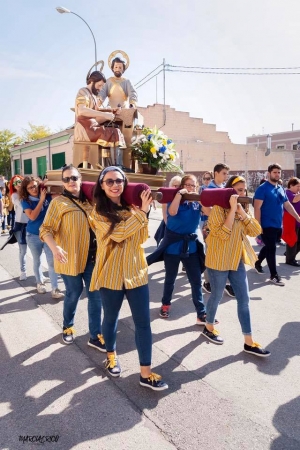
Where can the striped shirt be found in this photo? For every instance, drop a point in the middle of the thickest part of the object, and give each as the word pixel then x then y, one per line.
pixel 120 260
pixel 226 248
pixel 70 229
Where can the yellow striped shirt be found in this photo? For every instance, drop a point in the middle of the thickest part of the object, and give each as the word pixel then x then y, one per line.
pixel 225 247
pixel 70 229
pixel 120 257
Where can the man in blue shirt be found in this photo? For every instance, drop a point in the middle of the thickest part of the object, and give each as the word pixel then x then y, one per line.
pixel 269 200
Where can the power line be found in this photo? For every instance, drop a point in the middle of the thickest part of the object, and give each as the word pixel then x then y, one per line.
pixel 137 87
pixel 235 73
pixel 235 68
pixel 148 75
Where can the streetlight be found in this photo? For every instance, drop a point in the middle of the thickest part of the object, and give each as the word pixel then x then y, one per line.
pixel 63 10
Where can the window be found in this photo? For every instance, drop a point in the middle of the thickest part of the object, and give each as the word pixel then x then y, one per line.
pixel 296 146
pixel 280 147
pixel 58 160
pixel 27 166
pixel 17 166
pixel 41 165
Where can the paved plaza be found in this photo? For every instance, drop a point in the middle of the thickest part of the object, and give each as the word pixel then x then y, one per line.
pixel 218 397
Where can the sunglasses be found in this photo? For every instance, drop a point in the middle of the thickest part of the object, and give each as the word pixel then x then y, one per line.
pixel 111 182
pixel 68 179
pixel 15 183
pixel 35 186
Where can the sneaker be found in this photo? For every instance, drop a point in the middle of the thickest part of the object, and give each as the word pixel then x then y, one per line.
pixel 165 311
pixel 229 290
pixel 113 366
pixel 23 276
pixel 153 382
pixel 56 293
pixel 257 350
pixel 98 343
pixel 259 268
pixel 293 263
pixel 41 288
pixel 68 335
pixel 206 287
pixel 213 336
pixel 259 241
pixel 202 320
pixel 3 231
pixel 46 280
pixel 277 280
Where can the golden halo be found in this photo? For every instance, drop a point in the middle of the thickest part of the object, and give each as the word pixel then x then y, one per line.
pixel 97 63
pixel 125 56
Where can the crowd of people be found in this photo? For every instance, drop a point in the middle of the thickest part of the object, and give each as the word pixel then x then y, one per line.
pixel 98 243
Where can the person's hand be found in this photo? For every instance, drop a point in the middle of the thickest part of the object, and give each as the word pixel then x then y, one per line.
pixel 233 202
pixel 60 255
pixel 43 194
pixel 241 212
pixel 147 199
pixel 110 116
pixel 118 111
pixel 183 191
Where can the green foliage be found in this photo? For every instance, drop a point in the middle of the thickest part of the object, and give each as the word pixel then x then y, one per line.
pixel 7 140
pixel 35 132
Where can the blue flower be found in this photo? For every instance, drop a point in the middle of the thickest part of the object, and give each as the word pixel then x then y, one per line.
pixel 162 149
pixel 149 137
pixel 169 141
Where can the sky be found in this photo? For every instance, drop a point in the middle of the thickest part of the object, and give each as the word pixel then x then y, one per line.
pixel 45 56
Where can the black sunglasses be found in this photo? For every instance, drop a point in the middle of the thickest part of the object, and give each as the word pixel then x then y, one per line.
pixel 68 179
pixel 111 182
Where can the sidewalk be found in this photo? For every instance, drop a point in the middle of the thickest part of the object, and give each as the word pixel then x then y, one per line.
pixel 218 395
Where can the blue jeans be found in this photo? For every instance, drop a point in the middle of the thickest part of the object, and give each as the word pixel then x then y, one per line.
pixel 239 282
pixel 138 299
pixel 22 251
pixel 74 288
pixel 193 271
pixel 36 247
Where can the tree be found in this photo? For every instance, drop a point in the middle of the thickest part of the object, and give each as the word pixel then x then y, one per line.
pixel 7 140
pixel 35 132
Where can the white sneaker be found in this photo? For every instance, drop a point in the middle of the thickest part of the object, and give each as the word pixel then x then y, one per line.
pixel 56 293
pixel 23 276
pixel 46 280
pixel 41 288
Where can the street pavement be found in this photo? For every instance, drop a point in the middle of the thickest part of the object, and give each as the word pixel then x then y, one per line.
pixel 218 395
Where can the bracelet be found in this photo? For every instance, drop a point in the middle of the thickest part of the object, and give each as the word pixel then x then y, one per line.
pixel 143 211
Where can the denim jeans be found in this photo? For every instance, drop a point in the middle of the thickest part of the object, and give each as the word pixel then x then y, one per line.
pixel 138 299
pixel 74 288
pixel 22 251
pixel 36 247
pixel 193 271
pixel 239 282
pixel 270 237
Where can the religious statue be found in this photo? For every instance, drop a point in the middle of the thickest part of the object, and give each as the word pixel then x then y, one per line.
pixel 95 125
pixel 119 90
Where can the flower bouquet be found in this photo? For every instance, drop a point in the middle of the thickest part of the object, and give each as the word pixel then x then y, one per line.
pixel 154 148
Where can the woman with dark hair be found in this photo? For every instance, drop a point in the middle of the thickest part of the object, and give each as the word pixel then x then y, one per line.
pixel 121 269
pixel 293 194
pixel 228 251
pixel 19 228
pixel 35 202
pixel 67 232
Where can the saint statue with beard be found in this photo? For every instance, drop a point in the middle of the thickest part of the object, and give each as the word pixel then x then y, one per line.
pixel 89 119
pixel 119 90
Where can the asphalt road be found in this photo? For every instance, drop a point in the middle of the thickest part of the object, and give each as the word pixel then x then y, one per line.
pixel 218 395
